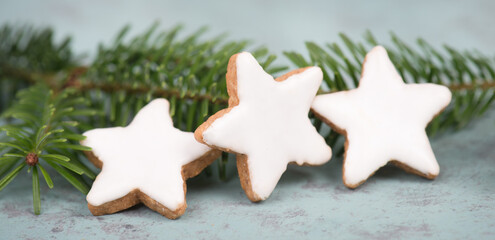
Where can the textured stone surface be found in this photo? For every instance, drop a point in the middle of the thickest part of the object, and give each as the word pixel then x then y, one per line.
pixel 308 202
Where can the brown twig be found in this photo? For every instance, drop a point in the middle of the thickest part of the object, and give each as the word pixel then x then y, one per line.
pixel 165 93
pixel 73 81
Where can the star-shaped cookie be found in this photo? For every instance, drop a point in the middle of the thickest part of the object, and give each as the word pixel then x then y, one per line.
pixel 266 124
pixel 384 120
pixel 145 162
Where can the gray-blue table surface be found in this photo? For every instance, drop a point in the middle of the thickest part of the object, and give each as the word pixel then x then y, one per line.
pixel 308 202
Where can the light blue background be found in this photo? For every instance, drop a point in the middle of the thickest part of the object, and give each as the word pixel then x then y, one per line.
pixel 279 25
pixel 308 202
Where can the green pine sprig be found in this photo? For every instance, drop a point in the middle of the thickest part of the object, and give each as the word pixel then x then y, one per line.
pixel 29 55
pixel 42 133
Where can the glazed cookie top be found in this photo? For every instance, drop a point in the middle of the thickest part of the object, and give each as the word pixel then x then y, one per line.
pixel 147 155
pixel 384 119
pixel 269 121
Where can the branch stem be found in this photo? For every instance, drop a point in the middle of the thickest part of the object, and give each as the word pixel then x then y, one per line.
pixel 168 93
pixel 165 93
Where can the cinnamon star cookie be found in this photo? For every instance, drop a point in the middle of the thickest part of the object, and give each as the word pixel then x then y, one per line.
pixel 384 120
pixel 266 124
pixel 145 162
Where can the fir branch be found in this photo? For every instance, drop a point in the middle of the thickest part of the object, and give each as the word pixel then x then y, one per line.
pixel 34 50
pixel 29 55
pixel 38 135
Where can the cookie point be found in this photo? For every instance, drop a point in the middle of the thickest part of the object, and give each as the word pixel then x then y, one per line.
pixel 255 198
pixel 87 134
pixel 198 135
pixel 379 48
pixel 247 56
pixel 351 185
pixel 317 70
pixel 377 52
pixel 329 152
pixel 447 94
pixel 159 101
pixel 432 176
pixel 319 73
pixel 318 104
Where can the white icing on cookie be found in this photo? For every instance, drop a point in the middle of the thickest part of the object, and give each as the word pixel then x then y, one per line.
pixel 270 125
pixel 384 118
pixel 147 155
